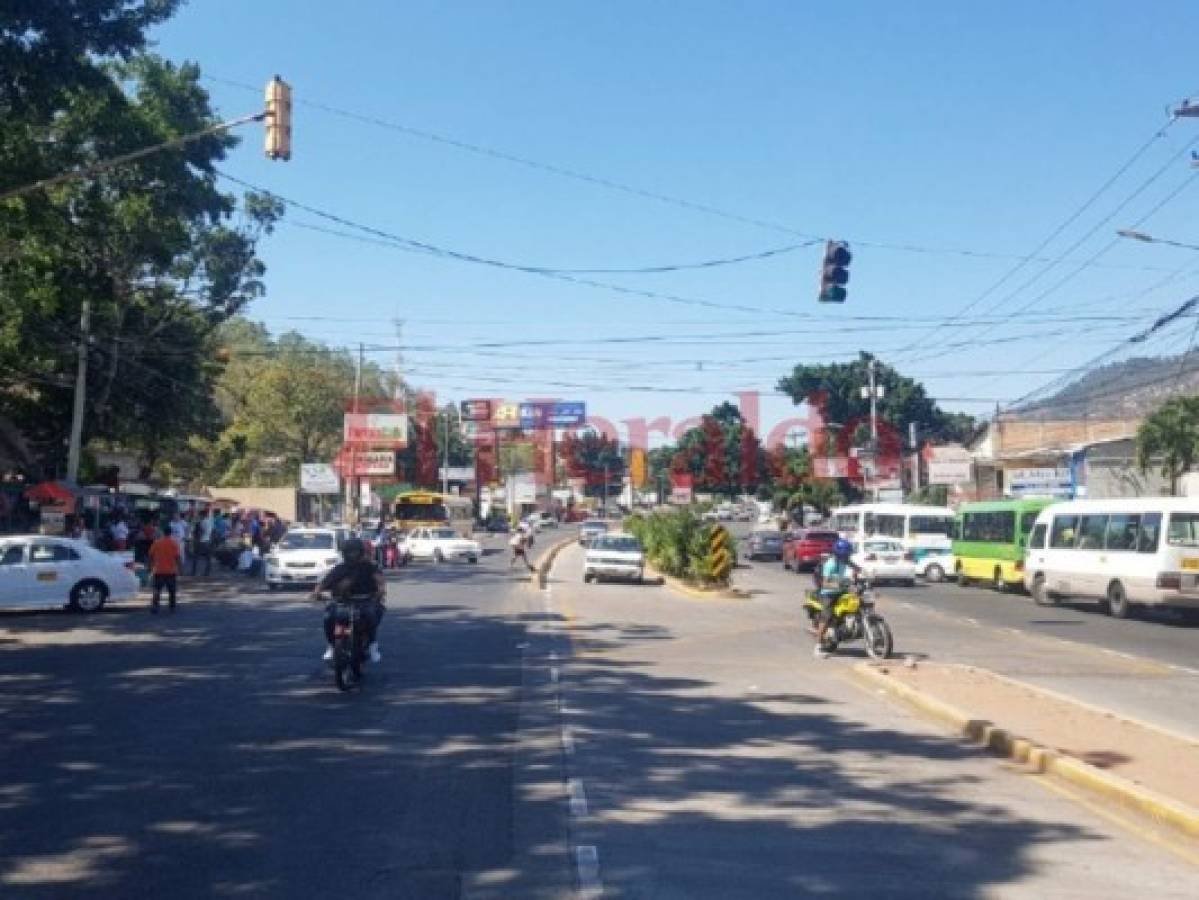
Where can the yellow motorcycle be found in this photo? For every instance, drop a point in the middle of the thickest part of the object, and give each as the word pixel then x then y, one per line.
pixel 854 618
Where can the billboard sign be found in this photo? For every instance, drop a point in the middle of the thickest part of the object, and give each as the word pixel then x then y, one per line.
pixel 456 473
pixel 476 410
pixel 682 488
pixel 366 462
pixel 830 467
pixel 376 429
pixel 319 478
pixel 1040 482
pixel 950 471
pixel 545 415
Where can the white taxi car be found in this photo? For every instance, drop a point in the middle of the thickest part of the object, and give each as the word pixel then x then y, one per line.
pixel 882 559
pixel 38 571
pixel 303 557
pixel 440 544
pixel 614 556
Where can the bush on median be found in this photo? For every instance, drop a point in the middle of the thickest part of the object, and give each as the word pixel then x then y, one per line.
pixel 679 543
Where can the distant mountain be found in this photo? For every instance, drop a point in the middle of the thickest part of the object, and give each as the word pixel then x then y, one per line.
pixel 1130 389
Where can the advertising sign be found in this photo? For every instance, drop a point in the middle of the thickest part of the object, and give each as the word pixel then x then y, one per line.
pixel 456 473
pixel 1041 482
pixel 542 415
pixel 376 429
pixel 949 471
pixel 319 478
pixel 367 462
pixel 476 410
pixel 830 467
pixel 682 488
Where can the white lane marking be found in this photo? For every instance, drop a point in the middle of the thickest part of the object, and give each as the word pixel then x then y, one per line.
pixel 554 655
pixel 587 864
pixel 568 741
pixel 554 674
pixel 1187 669
pixel 578 798
pixel 973 622
pixel 907 604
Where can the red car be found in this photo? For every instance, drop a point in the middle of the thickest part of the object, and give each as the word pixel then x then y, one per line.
pixel 803 549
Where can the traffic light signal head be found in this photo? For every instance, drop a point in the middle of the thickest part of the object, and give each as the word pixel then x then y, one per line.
pixel 278 119
pixel 834 273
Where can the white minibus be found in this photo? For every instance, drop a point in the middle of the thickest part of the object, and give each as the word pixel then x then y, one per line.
pixel 1121 552
pixel 916 527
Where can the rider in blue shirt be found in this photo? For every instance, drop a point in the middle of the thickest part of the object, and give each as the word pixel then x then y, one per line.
pixel 836 577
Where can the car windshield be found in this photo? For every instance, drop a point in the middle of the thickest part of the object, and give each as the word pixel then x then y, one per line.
pixel 1184 530
pixel 623 543
pixel 444 533
pixel 768 535
pixel 594 526
pixel 421 512
pixel 820 536
pixel 301 540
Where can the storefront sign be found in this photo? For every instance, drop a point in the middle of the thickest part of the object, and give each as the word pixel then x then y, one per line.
pixel 319 478
pixel 376 429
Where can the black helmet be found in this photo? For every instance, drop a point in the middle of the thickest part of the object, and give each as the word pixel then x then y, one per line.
pixel 353 550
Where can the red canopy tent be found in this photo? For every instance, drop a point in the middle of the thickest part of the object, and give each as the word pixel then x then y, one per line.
pixel 51 492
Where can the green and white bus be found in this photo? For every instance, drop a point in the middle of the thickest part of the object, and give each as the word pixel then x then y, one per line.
pixel 989 540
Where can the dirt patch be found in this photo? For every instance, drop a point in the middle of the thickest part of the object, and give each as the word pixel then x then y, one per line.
pixel 1162 762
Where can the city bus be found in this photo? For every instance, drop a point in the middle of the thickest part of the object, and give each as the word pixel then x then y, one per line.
pixel 990 538
pixel 919 528
pixel 428 509
pixel 1122 552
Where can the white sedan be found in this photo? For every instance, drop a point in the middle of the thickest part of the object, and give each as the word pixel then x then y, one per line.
pixel 303 557
pixel 440 544
pixel 614 556
pixel 37 571
pixel 885 560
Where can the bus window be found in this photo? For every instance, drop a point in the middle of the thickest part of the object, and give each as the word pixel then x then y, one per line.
pixel 1027 520
pixel 1122 532
pixel 931 525
pixel 991 527
pixel 888 526
pixel 1091 532
pixel 1037 541
pixel 1151 527
pixel 1184 530
pixel 1063 533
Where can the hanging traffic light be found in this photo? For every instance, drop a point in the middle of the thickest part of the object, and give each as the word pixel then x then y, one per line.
pixel 278 119
pixel 834 273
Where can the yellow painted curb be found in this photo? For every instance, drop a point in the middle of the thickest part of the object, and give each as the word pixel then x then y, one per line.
pixel 1003 743
pixel 681 587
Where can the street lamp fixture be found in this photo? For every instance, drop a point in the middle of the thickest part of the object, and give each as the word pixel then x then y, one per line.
pixel 1144 238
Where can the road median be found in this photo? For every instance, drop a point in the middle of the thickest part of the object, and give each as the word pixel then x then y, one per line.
pixel 694 591
pixel 1118 760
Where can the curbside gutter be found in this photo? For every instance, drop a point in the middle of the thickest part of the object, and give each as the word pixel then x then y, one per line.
pixel 1002 743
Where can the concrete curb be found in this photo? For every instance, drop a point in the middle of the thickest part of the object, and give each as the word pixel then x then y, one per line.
pixel 545 562
pixel 681 587
pixel 1003 743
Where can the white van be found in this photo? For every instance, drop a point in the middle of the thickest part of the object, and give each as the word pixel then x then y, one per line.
pixel 918 528
pixel 1123 552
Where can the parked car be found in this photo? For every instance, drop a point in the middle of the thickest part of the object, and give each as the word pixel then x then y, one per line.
pixel 765 544
pixel 933 563
pixel 591 529
pixel 541 520
pixel 883 559
pixel 303 557
pixel 803 549
pixel 39 571
pixel 614 555
pixel 441 544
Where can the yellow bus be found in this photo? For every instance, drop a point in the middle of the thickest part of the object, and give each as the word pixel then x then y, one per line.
pixel 428 509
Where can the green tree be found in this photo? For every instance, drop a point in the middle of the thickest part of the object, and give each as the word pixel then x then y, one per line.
pixel 836 390
pixel 153 246
pixel 1169 439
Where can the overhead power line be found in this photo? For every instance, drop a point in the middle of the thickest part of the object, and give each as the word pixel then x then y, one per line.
pixel 644 270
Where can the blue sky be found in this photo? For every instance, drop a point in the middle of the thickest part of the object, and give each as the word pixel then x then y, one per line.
pixel 937 125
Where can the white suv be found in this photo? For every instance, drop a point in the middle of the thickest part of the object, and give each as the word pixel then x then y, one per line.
pixel 304 557
pixel 614 555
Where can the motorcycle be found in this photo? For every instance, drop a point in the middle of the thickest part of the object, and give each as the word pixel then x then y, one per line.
pixel 350 641
pixel 854 618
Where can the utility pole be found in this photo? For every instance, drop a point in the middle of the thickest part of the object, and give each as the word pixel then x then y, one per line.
pixel 354 487
pixel 873 392
pixel 75 445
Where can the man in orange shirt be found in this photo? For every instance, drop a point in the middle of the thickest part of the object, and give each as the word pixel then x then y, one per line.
pixel 165 560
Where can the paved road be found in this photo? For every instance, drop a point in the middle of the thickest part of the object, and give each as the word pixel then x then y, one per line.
pixel 711 756
pixel 1142 667
pixel 207 754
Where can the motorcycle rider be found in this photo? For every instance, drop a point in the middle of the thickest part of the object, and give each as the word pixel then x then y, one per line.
pixel 836 577
pixel 354 576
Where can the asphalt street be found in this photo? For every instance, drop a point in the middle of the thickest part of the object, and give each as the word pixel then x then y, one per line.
pixel 1145 667
pixel 208 754
pixel 710 755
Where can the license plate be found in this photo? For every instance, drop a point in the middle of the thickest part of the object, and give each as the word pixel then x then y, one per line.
pixel 1191 564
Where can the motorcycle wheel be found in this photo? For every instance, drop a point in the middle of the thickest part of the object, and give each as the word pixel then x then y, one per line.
pixel 879 642
pixel 346 669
